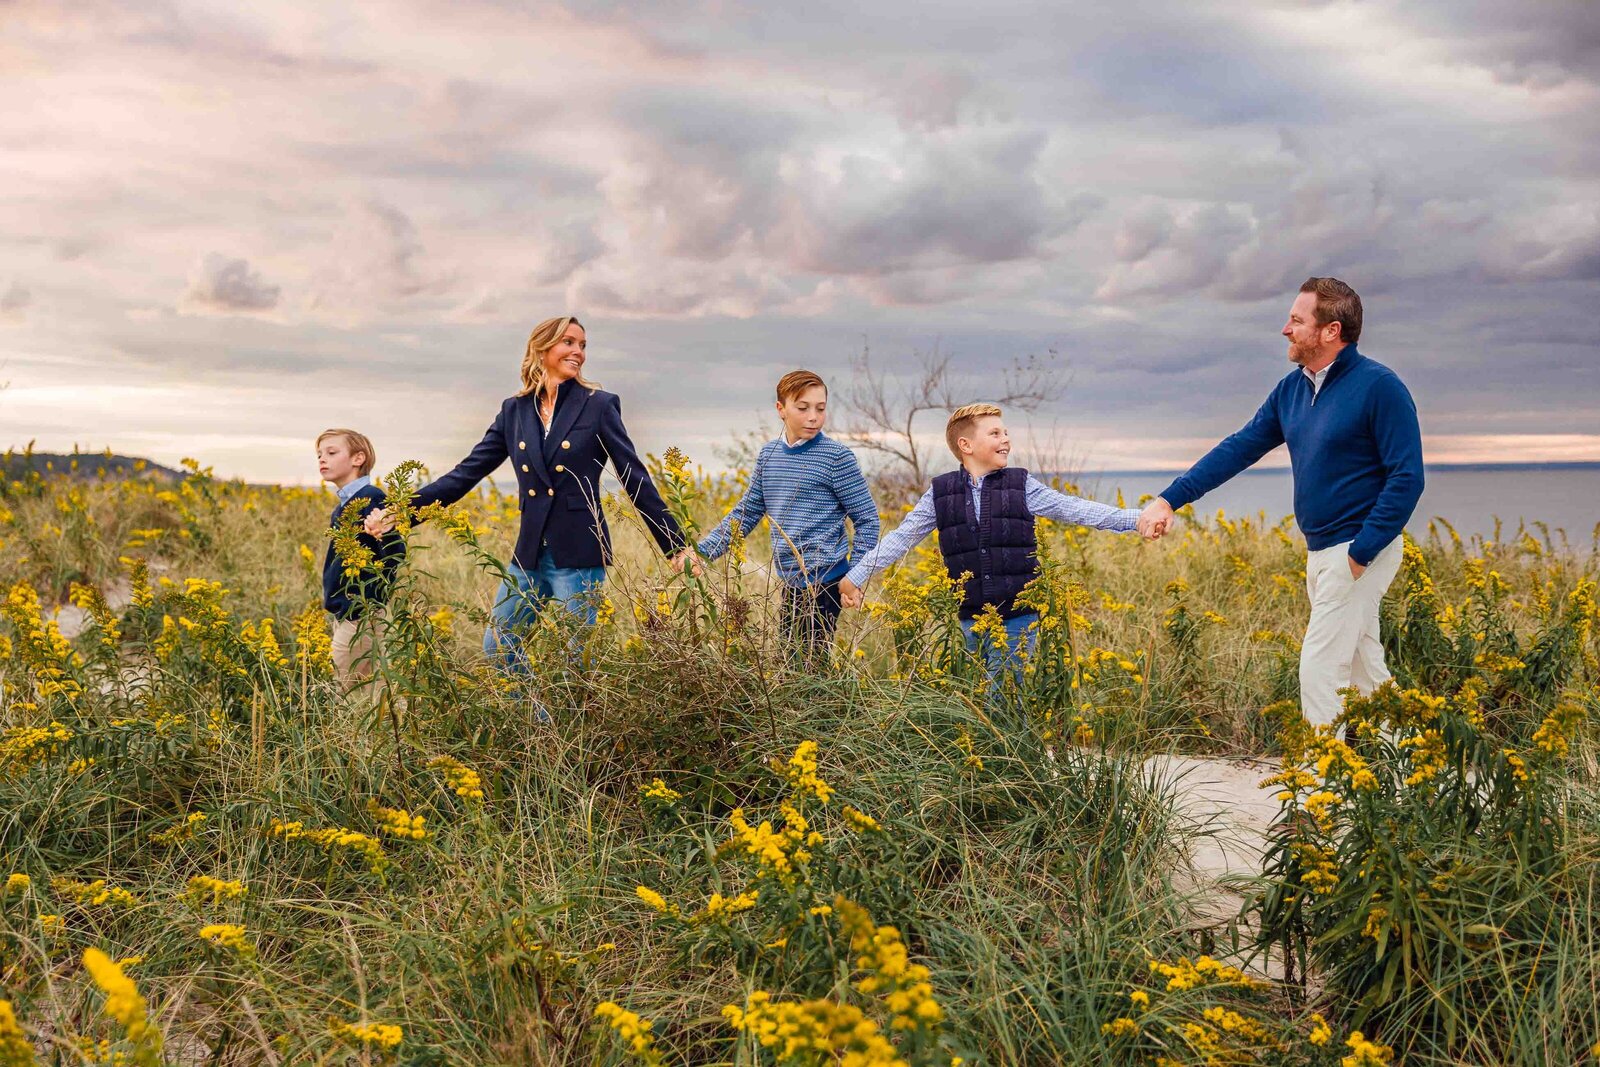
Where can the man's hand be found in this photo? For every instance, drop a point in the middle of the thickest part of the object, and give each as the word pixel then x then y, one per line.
pixel 676 562
pixel 378 522
pixel 1356 569
pixel 1155 519
pixel 849 593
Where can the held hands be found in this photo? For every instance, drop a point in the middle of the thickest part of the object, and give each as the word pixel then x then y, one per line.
pixel 676 562
pixel 849 593
pixel 378 522
pixel 1155 519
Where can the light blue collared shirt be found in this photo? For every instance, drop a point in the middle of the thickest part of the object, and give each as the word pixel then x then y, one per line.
pixel 1043 502
pixel 352 488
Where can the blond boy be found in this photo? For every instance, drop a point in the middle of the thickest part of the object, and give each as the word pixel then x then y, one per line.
pixel 345 458
pixel 984 512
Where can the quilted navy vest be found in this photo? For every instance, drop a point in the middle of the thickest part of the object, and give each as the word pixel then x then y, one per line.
pixel 999 550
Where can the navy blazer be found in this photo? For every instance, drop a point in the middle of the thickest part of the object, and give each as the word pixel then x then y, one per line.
pixel 344 596
pixel 558 477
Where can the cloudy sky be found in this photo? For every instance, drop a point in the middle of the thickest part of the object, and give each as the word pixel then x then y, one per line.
pixel 224 227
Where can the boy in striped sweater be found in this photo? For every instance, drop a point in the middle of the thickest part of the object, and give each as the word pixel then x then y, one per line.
pixel 806 484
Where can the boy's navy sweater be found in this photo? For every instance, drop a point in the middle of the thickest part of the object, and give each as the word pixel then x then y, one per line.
pixel 345 596
pixel 1355 449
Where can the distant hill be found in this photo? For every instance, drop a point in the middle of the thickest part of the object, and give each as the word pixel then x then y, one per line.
pixel 15 465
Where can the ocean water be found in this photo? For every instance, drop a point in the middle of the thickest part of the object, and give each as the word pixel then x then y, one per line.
pixel 1470 498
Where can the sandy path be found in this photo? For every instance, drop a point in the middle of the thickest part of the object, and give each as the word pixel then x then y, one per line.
pixel 1226 816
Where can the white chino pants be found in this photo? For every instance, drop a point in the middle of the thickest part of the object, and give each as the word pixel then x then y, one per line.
pixel 1341 647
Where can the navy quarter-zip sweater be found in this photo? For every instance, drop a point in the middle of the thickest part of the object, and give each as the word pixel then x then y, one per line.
pixel 1355 449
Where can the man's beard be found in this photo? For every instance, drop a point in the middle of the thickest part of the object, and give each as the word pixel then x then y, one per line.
pixel 1300 353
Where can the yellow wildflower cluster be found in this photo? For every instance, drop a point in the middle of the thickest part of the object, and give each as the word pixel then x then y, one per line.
pixel 634 1030
pixel 15 1048
pixel 1204 971
pixel 92 601
pixel 813 1031
pixel 655 901
pixel 1551 736
pixel 47 654
pixel 23 747
pixel 16 885
pixel 383 1036
pixel 460 779
pixel 180 832
pixel 397 822
pixel 903 986
pixel 334 840
pixel 1319 871
pixel 859 821
pixel 659 790
pixel 801 771
pixel 203 887
pixel 1364 1053
pixel 140 594
pixel 777 852
pixel 229 936
pixel 719 908
pixel 260 639
pixel 313 643
pixel 972 760
pixel 124 1003
pixel 1321 1033
pixel 95 894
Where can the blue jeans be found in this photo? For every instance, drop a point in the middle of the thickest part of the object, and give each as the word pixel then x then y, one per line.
pixel 1018 637
pixel 516 608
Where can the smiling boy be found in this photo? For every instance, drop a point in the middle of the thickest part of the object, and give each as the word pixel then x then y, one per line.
pixel 985 514
pixel 806 484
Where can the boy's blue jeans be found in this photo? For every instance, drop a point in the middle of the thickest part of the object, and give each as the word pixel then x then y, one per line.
pixel 524 592
pixel 1018 637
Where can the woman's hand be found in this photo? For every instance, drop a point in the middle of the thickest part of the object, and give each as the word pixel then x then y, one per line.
pixel 378 522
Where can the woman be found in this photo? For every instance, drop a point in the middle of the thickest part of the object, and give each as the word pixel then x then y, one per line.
pixel 558 431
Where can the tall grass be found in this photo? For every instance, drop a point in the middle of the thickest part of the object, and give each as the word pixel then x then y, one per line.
pixel 1011 840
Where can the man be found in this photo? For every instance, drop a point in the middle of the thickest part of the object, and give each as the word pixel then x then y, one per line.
pixel 1356 453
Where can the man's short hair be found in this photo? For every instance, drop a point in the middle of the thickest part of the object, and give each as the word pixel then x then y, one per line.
pixel 963 419
pixel 355 442
pixel 796 382
pixel 1336 302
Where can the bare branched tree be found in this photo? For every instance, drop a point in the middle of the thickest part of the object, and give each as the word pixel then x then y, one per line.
pixel 882 410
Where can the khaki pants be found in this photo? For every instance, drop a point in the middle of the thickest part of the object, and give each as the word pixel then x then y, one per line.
pixel 352 651
pixel 1342 647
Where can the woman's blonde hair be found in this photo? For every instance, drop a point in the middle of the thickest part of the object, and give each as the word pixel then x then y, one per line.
pixel 541 340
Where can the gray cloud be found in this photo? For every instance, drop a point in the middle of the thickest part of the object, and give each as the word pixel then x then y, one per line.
pixel 219 284
pixel 723 190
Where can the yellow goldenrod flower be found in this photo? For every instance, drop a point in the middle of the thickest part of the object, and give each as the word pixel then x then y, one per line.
pixel 383 1036
pixel 658 790
pixel 397 822
pixel 230 936
pixel 124 1003
pixel 15 1048
pixel 459 778
pixel 633 1030
pixel 1364 1053
pixel 201 887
